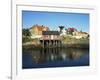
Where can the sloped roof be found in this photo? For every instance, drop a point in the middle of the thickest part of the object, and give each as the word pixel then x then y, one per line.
pixel 40 27
pixel 50 33
pixel 83 33
pixel 71 29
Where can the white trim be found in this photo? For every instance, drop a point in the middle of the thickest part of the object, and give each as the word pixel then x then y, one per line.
pixel 18 73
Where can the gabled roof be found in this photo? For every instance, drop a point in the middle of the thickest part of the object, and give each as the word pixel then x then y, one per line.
pixel 50 33
pixel 71 29
pixel 40 27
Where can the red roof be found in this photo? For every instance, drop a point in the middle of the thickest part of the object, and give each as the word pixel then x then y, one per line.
pixel 40 28
pixel 72 29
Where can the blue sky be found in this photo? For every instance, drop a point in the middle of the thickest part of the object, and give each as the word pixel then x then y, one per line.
pixel 55 19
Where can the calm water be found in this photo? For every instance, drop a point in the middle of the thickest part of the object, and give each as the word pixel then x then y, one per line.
pixel 55 57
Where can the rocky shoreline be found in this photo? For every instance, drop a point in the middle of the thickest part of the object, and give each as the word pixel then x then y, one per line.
pixel 31 46
pixel 69 43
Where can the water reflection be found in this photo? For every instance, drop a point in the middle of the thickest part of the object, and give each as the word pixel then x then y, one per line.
pixel 56 54
pixel 56 57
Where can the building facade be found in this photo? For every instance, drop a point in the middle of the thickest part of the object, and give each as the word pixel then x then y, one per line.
pixel 50 35
pixel 79 35
pixel 36 30
pixel 50 38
